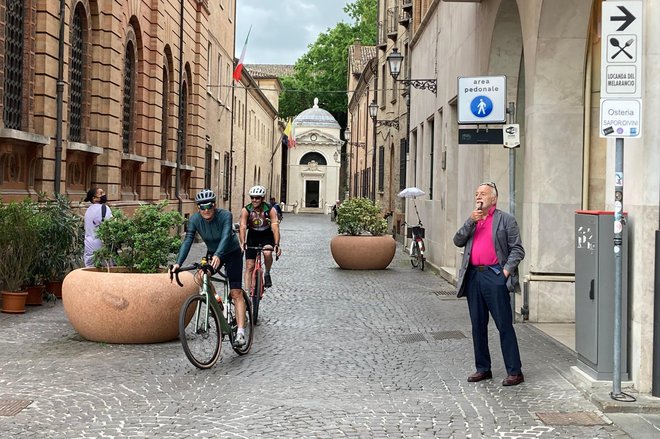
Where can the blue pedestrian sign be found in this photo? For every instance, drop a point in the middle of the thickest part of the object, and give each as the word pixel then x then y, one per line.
pixel 481 106
pixel 482 100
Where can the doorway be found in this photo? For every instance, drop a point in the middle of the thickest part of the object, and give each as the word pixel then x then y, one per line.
pixel 312 193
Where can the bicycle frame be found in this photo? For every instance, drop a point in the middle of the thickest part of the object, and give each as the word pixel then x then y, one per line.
pixel 258 268
pixel 205 290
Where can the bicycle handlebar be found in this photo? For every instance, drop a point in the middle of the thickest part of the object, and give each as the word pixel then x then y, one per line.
pixel 196 266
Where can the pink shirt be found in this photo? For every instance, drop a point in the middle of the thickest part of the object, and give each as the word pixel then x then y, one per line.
pixel 483 247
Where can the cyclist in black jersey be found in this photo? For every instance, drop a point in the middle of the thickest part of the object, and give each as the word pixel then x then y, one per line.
pixel 259 226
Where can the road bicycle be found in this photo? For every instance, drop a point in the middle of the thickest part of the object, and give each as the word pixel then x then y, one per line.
pixel 205 321
pixel 417 247
pixel 257 284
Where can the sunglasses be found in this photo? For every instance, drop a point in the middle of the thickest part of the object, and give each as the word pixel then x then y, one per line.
pixel 206 206
pixel 489 184
pixel 257 198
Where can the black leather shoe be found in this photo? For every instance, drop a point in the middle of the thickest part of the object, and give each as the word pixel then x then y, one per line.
pixel 480 376
pixel 513 380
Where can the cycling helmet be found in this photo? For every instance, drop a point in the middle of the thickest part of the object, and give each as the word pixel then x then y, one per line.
pixel 205 196
pixel 257 191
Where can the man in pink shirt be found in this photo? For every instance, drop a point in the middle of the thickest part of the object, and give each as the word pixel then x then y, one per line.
pixel 488 274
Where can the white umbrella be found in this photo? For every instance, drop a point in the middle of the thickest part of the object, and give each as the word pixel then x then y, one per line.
pixel 411 192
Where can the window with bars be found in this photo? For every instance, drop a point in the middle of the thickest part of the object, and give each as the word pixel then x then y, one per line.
pixel 165 115
pixel 402 163
pixel 129 91
pixel 381 168
pixel 76 72
pixel 227 177
pixel 183 121
pixel 13 84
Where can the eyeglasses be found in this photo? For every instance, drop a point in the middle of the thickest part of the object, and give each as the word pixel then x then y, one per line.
pixel 257 198
pixel 489 184
pixel 206 206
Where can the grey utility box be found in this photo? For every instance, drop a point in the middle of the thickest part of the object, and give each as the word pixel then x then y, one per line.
pixel 594 294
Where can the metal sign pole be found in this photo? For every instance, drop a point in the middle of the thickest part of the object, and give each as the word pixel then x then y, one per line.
pixel 618 239
pixel 512 163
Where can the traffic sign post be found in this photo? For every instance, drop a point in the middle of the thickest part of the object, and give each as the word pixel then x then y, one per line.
pixel 620 117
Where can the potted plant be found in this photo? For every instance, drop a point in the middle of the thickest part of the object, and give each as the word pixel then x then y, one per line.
pixel 129 297
pixel 361 243
pixel 62 240
pixel 18 249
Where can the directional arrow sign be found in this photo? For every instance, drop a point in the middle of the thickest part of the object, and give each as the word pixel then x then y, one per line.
pixel 627 18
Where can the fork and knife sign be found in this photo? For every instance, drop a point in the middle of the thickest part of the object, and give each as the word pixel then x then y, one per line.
pixel 622 49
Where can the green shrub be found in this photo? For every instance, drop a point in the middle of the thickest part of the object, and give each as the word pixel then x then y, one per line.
pixel 62 237
pixel 144 243
pixel 19 243
pixel 357 216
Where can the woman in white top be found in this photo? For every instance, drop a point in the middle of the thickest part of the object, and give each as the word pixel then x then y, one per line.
pixel 96 213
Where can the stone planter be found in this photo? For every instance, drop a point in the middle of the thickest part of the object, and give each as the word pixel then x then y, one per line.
pixel 363 252
pixel 121 307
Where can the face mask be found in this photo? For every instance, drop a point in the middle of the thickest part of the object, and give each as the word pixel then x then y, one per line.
pixel 103 199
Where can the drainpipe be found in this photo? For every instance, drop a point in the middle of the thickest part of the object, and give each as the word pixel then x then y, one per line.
pixel 245 125
pixel 59 103
pixel 586 141
pixel 179 132
pixel 373 159
pixel 231 129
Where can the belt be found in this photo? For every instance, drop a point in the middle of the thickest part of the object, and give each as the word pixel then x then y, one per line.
pixel 481 267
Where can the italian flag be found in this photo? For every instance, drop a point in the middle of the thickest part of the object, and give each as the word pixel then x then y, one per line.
pixel 238 71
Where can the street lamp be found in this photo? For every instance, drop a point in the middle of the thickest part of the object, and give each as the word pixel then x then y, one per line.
pixel 373 110
pixel 394 61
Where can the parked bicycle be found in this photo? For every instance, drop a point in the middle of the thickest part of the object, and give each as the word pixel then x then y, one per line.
pixel 205 321
pixel 257 284
pixel 417 247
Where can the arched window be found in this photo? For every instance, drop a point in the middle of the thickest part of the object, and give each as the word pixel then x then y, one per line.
pixel 13 85
pixel 315 156
pixel 129 97
pixel 76 72
pixel 165 115
pixel 183 121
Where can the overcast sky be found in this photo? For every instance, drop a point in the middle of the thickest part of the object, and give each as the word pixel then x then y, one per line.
pixel 282 29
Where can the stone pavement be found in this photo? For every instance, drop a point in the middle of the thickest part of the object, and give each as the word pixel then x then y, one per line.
pixel 364 354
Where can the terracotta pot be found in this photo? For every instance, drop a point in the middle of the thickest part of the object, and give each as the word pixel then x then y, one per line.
pixel 13 302
pixel 35 295
pixel 121 307
pixel 54 287
pixel 363 252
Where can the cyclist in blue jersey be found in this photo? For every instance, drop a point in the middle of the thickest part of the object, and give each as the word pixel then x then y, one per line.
pixel 214 226
pixel 260 226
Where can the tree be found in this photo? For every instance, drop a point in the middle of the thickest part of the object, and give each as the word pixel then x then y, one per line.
pixel 322 71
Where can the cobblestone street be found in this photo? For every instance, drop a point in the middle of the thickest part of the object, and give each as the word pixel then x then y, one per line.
pixel 382 354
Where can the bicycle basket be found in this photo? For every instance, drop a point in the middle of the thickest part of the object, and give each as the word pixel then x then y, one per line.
pixel 417 230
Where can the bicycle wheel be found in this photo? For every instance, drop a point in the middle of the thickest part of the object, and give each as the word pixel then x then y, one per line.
pixel 201 341
pixel 249 327
pixel 257 291
pixel 414 255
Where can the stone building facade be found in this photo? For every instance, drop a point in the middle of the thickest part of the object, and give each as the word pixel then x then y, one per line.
pixel 550 53
pixel 147 101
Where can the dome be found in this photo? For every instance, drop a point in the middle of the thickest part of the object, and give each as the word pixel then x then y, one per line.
pixel 316 116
